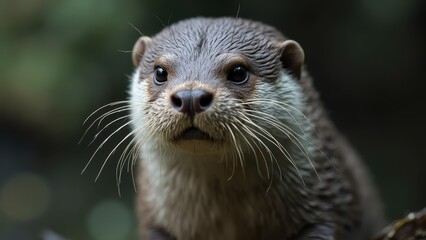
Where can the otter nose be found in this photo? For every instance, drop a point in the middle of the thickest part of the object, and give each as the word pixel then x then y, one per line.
pixel 192 101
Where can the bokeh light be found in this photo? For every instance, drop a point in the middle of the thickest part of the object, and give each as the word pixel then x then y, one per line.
pixel 110 220
pixel 24 197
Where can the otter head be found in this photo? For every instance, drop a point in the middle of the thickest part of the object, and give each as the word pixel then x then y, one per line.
pixel 216 85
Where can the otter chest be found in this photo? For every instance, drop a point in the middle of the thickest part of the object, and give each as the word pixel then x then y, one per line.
pixel 193 208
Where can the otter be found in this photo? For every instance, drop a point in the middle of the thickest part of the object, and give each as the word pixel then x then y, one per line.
pixel 234 141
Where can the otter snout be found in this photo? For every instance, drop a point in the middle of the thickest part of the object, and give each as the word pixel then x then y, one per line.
pixel 191 101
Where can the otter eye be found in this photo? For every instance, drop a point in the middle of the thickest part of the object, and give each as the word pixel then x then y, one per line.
pixel 238 75
pixel 160 75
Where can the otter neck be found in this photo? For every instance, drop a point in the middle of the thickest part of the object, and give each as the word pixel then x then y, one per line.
pixel 227 168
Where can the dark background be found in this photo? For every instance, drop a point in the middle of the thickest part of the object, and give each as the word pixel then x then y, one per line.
pixel 61 60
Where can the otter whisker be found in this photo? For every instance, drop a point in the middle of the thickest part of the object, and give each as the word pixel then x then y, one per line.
pixel 275 142
pixel 122 161
pixel 268 136
pixel 101 145
pixel 238 148
pixel 233 164
pixel 140 143
pixel 280 104
pixel 273 159
pixel 91 125
pixel 271 155
pixel 234 28
pixel 124 156
pixel 104 106
pixel 285 130
pixel 252 148
pixel 264 133
pixel 248 131
pixel 112 152
pixel 295 140
pixel 130 157
pixel 284 106
pixel 106 126
pixel 133 26
pixel 225 156
pixel 112 112
pixel 282 127
pixel 271 118
pixel 133 160
pixel 251 102
pixel 277 103
pixel 291 133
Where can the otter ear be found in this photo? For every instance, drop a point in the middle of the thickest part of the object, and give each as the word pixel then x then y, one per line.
pixel 139 49
pixel 292 57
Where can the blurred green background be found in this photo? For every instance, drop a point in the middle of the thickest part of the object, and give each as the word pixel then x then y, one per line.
pixel 61 60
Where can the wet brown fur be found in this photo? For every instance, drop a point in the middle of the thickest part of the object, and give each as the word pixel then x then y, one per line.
pixel 338 198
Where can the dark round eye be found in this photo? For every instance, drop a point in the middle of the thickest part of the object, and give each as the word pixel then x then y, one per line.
pixel 160 75
pixel 238 75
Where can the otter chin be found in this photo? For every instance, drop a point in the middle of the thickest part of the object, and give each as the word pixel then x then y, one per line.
pixel 194 140
pixel 193 133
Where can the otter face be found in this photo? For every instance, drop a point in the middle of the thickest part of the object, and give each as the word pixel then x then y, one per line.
pixel 193 113
pixel 215 85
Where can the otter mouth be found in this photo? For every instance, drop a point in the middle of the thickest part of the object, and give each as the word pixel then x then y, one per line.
pixel 193 133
